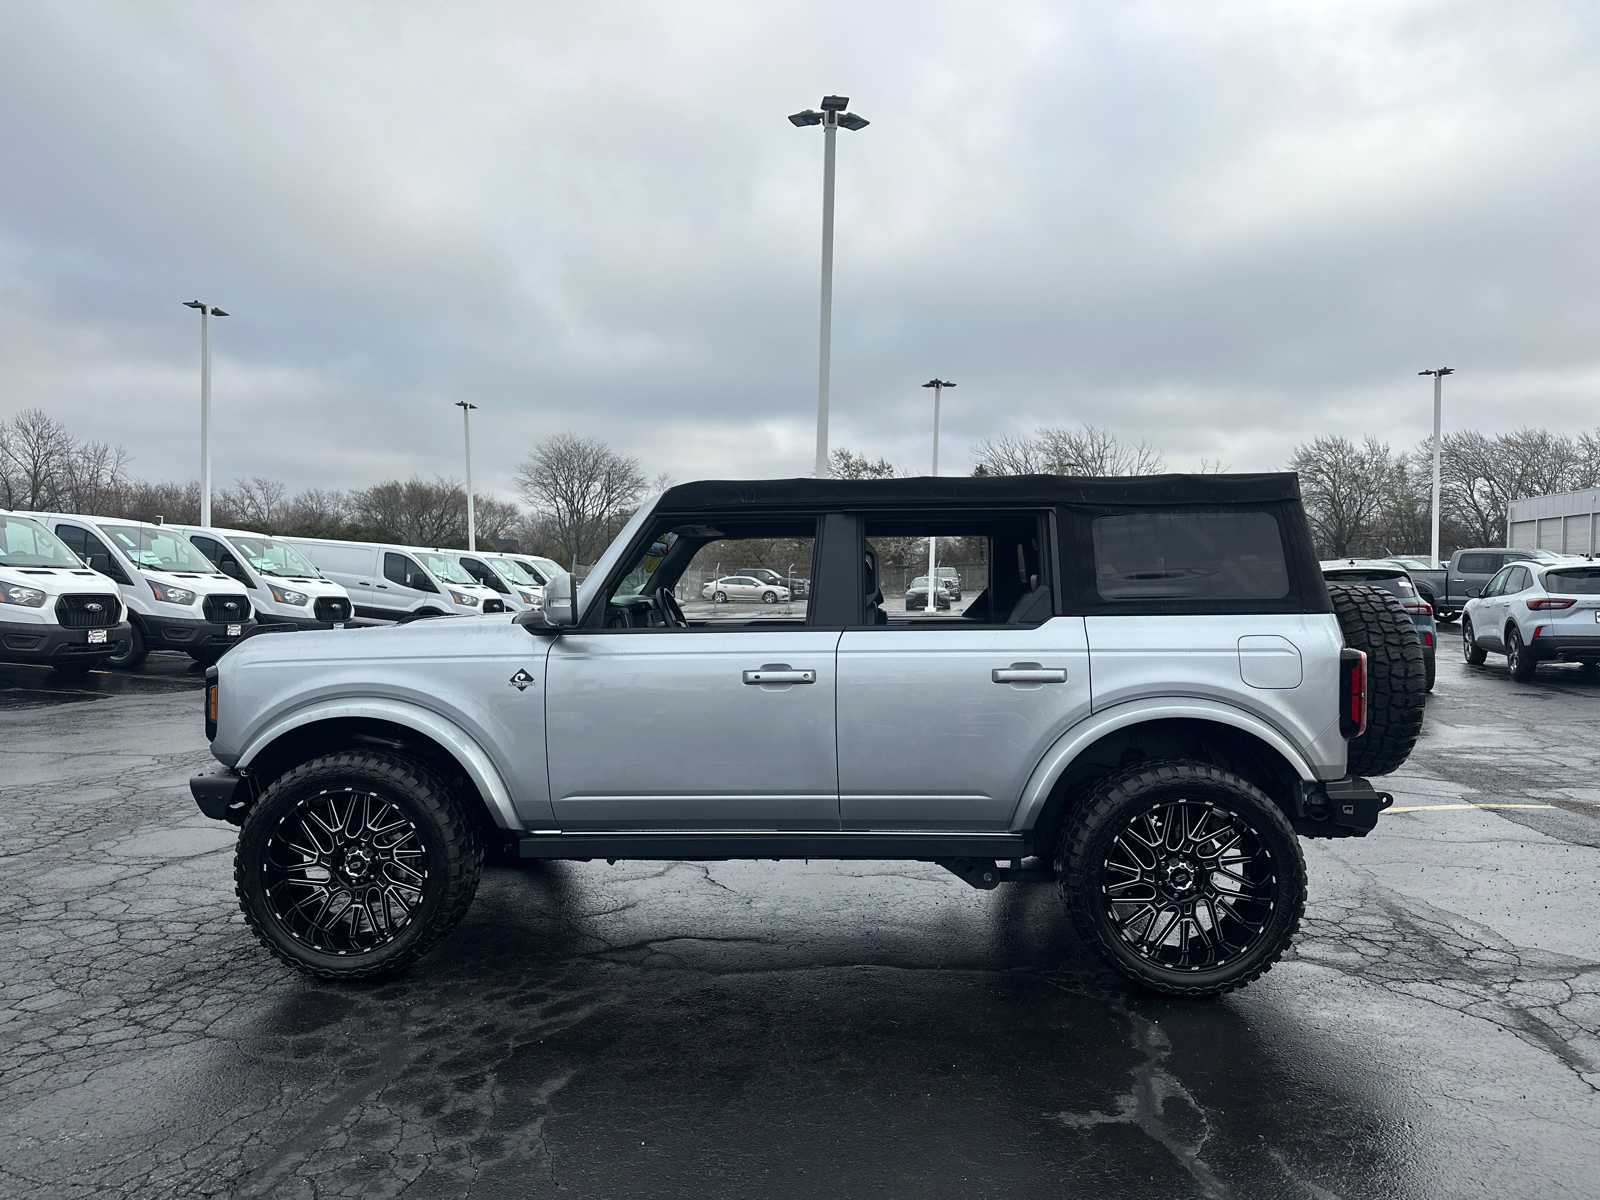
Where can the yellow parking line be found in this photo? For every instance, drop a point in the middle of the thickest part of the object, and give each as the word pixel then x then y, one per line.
pixel 1437 807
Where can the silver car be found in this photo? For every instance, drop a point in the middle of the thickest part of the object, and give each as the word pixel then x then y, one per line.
pixel 742 587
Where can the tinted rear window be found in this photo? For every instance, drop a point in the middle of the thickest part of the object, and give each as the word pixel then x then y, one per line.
pixel 1190 556
pixel 1395 585
pixel 1582 582
pixel 1478 564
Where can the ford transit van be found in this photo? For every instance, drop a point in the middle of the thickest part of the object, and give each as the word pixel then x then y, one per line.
pixel 54 611
pixel 284 586
pixel 395 583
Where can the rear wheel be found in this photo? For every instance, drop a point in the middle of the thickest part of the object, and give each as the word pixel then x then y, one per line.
pixel 1183 877
pixel 1519 659
pixel 1430 668
pixel 133 657
pixel 354 865
pixel 1470 650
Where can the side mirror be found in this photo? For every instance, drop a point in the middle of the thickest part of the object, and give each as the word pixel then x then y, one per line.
pixel 1474 591
pixel 559 608
pixel 232 569
pixel 101 563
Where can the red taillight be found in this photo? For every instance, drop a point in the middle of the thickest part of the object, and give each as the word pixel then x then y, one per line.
pixel 1543 602
pixel 1352 693
pixel 1418 608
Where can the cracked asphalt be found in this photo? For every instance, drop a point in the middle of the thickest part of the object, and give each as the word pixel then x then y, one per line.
pixel 822 1029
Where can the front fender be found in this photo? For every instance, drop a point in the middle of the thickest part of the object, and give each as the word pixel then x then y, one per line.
pixel 466 751
pixel 1080 737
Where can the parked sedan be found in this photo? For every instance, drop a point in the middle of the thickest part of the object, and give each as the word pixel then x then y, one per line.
pixel 1534 613
pixel 917 595
pixel 1398 583
pixel 742 587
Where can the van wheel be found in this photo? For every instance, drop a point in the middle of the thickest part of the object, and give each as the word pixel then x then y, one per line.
pixel 206 657
pixel 1475 654
pixel 133 657
pixel 354 865
pixel 1373 621
pixel 1519 659
pixel 1183 877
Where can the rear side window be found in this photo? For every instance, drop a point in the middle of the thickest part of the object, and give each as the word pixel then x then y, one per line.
pixel 1583 582
pixel 1190 556
pixel 1478 564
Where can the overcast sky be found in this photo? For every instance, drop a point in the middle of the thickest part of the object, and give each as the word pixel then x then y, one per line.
pixel 1225 227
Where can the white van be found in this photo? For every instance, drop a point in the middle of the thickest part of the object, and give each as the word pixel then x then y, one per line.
pixel 518 587
pixel 285 588
pixel 543 570
pixel 176 599
pixel 53 610
pixel 394 583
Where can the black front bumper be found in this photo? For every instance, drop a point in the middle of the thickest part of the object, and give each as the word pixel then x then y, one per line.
pixel 46 644
pixel 186 633
pixel 1334 808
pixel 223 796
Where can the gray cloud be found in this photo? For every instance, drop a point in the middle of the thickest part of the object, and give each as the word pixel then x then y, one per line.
pixel 1221 228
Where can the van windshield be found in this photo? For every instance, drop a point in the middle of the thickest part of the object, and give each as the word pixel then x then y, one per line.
pixel 512 572
pixel 25 543
pixel 273 557
pixel 447 569
pixel 158 548
pixel 547 568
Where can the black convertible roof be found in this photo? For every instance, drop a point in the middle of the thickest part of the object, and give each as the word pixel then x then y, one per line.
pixel 1153 490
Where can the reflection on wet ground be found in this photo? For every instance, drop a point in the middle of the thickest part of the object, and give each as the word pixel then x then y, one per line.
pixel 707 1029
pixel 34 687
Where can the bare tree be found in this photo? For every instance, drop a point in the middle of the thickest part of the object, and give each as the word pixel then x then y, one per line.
pixel 258 503
pixel 846 464
pixel 34 449
pixel 577 486
pixel 1343 486
pixel 1058 451
pixel 318 513
pixel 1480 476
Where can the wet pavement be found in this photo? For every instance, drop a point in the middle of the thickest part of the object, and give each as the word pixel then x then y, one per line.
pixel 828 1029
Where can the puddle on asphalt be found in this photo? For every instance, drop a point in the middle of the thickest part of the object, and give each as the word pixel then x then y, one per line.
pixel 42 687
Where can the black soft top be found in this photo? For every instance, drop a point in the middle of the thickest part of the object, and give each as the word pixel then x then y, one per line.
pixel 1153 490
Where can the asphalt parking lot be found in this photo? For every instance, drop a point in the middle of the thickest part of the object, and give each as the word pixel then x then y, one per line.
pixel 783 1028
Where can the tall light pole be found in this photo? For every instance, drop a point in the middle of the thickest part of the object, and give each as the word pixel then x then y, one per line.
pixel 206 313
pixel 938 385
pixel 1438 374
pixel 832 118
pixel 466 432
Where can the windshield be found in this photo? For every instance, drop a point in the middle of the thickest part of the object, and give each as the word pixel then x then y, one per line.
pixel 158 548
pixel 447 569
pixel 636 580
pixel 547 568
pixel 512 572
pixel 1583 582
pixel 25 543
pixel 273 558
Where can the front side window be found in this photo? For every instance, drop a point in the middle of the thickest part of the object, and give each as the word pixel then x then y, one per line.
pixel 397 568
pixel 25 543
pixel 444 567
pixel 1497 585
pixel 687 576
pixel 513 572
pixel 157 547
pixel 1190 556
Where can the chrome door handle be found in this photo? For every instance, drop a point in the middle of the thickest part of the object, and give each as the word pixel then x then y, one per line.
pixel 779 675
pixel 1028 673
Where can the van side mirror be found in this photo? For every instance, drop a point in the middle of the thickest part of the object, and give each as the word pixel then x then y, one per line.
pixel 232 569
pixel 101 563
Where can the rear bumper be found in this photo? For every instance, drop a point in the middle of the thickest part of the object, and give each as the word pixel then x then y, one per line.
pixel 1333 808
pixel 21 643
pixel 222 796
pixel 1568 648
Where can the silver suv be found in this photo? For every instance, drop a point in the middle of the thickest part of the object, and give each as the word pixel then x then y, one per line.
pixel 1152 693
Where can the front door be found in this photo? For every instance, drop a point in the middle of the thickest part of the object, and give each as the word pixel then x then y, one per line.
pixel 693 729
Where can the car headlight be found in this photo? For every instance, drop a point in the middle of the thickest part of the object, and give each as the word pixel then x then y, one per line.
pixel 527 597
pixel 285 596
pixel 172 595
pixel 15 593
pixel 463 598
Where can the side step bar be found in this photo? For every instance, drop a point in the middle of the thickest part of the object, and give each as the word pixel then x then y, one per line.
pixel 743 844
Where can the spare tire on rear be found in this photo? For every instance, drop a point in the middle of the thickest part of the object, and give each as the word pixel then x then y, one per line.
pixel 1373 621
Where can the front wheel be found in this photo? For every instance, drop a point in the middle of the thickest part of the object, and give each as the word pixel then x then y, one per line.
pixel 133 657
pixel 1184 878
pixel 354 865
pixel 206 658
pixel 1519 659
pixel 77 668
pixel 1475 654
pixel 769 597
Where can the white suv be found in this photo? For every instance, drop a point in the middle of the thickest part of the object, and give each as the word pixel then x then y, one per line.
pixel 1534 613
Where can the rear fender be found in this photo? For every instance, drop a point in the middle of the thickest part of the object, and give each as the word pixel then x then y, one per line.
pixel 431 725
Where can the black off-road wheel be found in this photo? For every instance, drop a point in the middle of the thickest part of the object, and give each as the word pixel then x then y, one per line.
pixel 1475 654
pixel 1184 878
pixel 354 865
pixel 1373 621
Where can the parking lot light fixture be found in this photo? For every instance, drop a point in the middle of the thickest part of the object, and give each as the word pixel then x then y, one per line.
pixel 466 432
pixel 207 311
pixel 831 118
pixel 1438 374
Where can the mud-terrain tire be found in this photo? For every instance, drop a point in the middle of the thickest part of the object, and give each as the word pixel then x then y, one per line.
pixel 1373 621
pixel 1519 659
pixel 377 838
pixel 1150 816
pixel 1475 654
